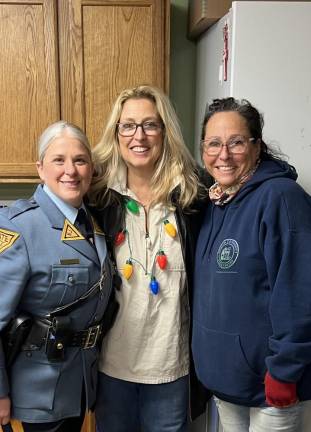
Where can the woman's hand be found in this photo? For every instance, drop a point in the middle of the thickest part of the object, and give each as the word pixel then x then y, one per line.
pixel 279 394
pixel 5 410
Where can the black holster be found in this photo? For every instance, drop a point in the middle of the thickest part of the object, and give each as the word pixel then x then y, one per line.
pixel 57 338
pixel 14 335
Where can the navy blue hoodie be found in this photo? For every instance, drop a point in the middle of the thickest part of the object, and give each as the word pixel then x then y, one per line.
pixel 252 289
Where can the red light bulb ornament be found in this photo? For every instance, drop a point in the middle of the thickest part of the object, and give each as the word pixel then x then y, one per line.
pixel 162 260
pixel 154 285
pixel 120 237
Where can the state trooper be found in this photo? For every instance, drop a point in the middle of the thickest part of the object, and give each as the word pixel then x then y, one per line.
pixel 55 269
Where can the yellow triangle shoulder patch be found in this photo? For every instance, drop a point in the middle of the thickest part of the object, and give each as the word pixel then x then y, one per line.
pixel 7 238
pixel 97 228
pixel 70 232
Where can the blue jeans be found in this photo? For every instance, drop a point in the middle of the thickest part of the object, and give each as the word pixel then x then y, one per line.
pixel 124 406
pixel 237 418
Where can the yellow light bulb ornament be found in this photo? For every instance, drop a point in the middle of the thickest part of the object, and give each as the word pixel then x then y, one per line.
pixel 127 269
pixel 169 228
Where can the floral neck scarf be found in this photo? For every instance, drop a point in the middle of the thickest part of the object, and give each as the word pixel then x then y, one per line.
pixel 221 197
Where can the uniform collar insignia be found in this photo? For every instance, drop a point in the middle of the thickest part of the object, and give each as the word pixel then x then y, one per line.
pixel 70 232
pixel 97 229
pixel 7 238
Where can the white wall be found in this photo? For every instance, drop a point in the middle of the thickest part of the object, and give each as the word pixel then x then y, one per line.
pixel 209 66
pixel 272 68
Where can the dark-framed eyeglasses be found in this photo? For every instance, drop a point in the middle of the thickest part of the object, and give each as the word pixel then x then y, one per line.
pixel 149 128
pixel 235 145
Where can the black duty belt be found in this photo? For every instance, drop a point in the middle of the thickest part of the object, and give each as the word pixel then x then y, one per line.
pixel 56 331
pixel 41 332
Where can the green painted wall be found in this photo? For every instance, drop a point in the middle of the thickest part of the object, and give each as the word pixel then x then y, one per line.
pixel 12 192
pixel 182 87
pixel 182 69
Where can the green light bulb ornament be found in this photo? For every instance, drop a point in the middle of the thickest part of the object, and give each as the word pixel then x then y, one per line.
pixel 132 206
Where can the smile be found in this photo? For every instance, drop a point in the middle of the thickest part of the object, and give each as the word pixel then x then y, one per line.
pixel 226 168
pixel 70 184
pixel 139 149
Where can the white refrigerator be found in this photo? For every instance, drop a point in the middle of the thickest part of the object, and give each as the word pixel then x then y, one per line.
pixel 268 60
pixel 261 51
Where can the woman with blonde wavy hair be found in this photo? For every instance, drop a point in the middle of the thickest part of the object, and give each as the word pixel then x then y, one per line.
pixel 148 200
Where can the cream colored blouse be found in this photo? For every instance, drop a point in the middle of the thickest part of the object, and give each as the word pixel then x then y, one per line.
pixel 149 340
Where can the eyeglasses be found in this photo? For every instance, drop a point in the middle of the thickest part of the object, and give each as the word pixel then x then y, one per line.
pixel 149 128
pixel 235 145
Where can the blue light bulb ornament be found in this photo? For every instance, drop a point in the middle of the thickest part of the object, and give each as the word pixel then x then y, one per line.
pixel 154 285
pixel 132 206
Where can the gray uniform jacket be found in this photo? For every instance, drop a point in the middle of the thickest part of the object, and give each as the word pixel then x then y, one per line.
pixel 41 268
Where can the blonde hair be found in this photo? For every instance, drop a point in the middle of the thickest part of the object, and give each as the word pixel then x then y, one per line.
pixel 175 167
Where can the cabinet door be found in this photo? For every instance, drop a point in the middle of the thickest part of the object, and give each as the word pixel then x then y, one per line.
pixel 28 84
pixel 69 59
pixel 204 13
pixel 104 47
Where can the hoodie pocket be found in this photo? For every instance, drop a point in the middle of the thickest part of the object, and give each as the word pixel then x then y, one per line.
pixel 221 364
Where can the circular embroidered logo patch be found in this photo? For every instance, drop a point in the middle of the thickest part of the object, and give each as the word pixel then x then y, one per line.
pixel 227 253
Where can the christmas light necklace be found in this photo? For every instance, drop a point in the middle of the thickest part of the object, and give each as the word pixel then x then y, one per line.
pixel 160 257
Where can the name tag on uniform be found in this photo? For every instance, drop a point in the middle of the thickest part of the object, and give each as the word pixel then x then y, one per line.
pixel 69 261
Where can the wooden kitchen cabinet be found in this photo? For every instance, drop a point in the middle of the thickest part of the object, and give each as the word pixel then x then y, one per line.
pixel 68 59
pixel 203 13
pixel 28 82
